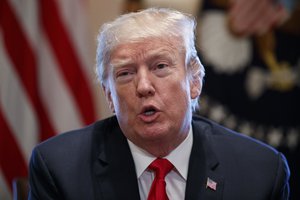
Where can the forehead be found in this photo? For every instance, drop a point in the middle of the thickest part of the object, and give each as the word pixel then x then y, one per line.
pixel 146 48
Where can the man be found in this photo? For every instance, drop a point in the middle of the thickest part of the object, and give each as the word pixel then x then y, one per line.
pixel 152 77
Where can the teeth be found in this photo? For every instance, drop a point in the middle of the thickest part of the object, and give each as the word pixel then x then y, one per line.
pixel 150 112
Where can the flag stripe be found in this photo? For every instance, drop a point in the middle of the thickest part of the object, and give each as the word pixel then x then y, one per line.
pixel 16 106
pixel 26 12
pixel 61 98
pixel 70 65
pixel 73 17
pixel 11 159
pixel 25 63
pixel 44 84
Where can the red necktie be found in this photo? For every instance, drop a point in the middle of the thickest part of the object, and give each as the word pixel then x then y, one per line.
pixel 161 167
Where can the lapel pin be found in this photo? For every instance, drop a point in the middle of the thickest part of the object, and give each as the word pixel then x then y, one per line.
pixel 211 184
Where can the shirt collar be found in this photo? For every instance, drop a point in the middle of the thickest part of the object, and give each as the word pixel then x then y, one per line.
pixel 179 157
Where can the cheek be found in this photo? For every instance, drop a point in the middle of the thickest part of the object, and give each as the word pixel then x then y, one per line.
pixel 124 100
pixel 177 96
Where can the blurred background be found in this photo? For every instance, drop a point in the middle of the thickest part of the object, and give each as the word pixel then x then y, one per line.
pixel 250 49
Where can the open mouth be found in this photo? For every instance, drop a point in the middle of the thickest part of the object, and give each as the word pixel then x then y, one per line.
pixel 149 114
pixel 148 111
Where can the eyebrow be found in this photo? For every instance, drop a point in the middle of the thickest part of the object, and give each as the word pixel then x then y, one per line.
pixel 162 52
pixel 153 54
pixel 117 63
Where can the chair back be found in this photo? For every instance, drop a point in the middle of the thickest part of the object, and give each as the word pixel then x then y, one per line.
pixel 20 189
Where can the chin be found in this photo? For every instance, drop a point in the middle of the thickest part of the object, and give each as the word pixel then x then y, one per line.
pixel 154 132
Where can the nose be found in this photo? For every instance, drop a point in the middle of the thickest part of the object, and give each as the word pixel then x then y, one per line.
pixel 144 84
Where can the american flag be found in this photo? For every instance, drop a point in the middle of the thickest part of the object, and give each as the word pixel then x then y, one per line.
pixel 45 78
pixel 211 184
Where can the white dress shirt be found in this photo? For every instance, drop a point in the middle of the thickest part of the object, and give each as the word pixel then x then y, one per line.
pixel 175 180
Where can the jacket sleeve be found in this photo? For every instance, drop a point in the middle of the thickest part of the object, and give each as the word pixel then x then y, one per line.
pixel 42 185
pixel 281 189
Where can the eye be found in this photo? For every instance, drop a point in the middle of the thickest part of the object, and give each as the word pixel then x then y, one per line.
pixel 124 75
pixel 161 69
pixel 161 66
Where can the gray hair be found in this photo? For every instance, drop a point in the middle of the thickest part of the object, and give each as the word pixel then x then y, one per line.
pixel 152 22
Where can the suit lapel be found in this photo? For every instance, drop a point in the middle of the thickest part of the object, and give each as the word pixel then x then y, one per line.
pixel 203 165
pixel 114 169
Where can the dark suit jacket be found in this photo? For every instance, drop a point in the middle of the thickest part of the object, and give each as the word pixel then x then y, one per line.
pixel 96 163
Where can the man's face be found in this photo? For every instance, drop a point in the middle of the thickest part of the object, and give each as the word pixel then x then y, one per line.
pixel 150 93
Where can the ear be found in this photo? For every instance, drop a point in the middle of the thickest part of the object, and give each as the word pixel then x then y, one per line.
pixel 109 100
pixel 195 88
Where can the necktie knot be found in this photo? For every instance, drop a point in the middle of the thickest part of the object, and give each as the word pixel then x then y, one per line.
pixel 161 167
